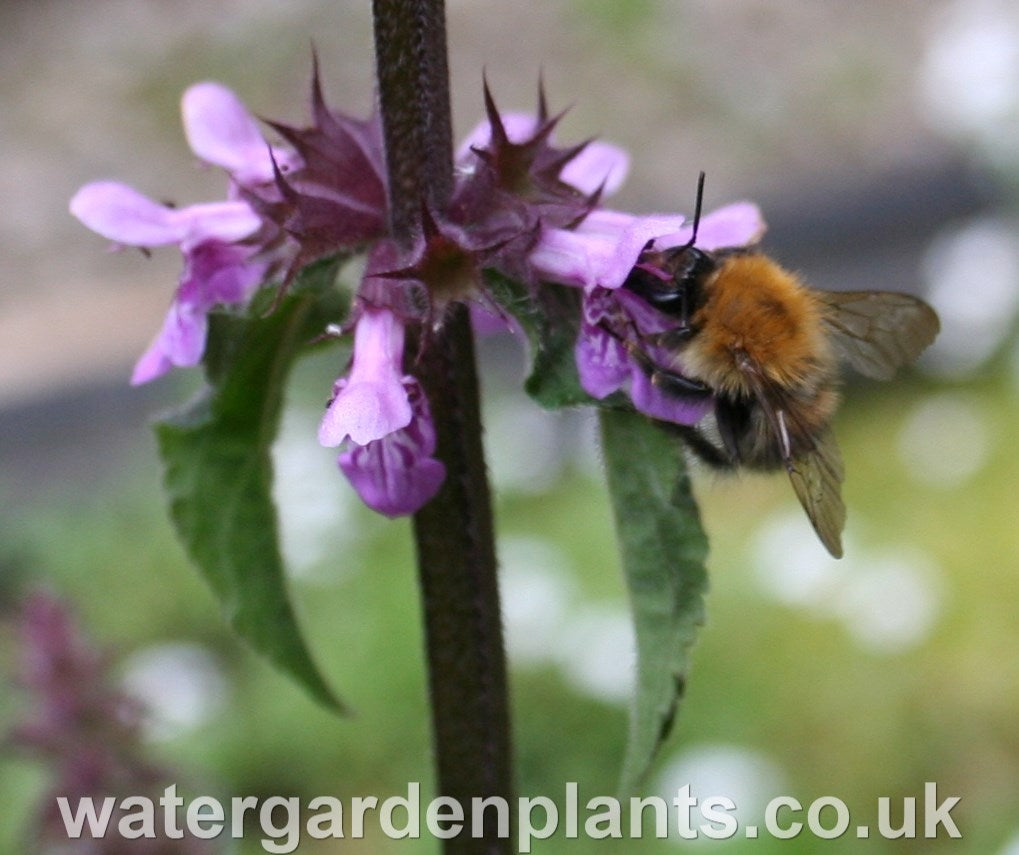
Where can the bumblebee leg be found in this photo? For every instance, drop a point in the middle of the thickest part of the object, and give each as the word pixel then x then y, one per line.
pixel 676 384
pixel 669 381
pixel 733 419
pixel 702 447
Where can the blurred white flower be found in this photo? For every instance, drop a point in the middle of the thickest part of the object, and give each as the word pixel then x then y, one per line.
pixel 969 79
pixel 750 778
pixel 972 275
pixel 888 600
pixel 181 685
pixel 945 440
pixel 537 588
pixel 598 652
pixel 316 510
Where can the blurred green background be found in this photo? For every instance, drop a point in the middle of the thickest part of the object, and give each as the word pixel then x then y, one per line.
pixel 882 141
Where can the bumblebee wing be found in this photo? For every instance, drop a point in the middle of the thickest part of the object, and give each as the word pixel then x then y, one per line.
pixel 811 458
pixel 816 477
pixel 877 332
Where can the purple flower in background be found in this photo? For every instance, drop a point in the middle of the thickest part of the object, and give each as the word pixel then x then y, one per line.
pixel 217 269
pixel 87 733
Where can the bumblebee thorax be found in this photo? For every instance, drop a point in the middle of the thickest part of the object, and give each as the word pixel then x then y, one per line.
pixel 760 317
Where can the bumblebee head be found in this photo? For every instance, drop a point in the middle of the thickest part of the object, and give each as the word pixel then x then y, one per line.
pixel 672 280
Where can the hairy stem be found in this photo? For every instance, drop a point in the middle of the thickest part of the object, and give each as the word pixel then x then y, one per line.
pixel 454 532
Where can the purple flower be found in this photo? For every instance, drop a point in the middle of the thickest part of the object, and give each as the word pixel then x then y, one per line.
pixel 605 364
pixel 217 269
pixel 382 416
pixel 125 216
pixel 598 255
pixel 214 274
pixel 396 475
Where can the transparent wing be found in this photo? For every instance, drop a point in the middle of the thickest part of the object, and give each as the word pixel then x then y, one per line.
pixel 811 458
pixel 816 477
pixel 877 332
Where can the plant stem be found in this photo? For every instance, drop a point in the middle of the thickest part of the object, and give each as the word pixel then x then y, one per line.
pixel 454 532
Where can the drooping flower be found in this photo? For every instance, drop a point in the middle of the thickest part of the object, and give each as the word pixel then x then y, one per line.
pixel 397 474
pixel 381 417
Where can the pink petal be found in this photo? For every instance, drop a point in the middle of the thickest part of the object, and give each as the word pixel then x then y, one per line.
pixel 180 342
pixel 738 224
pixel 373 402
pixel 601 250
pixel 386 482
pixel 600 164
pixel 364 412
pixel 221 131
pixel 183 334
pixel 152 364
pixel 124 215
pixel 397 475
pixel 216 221
pixel 602 362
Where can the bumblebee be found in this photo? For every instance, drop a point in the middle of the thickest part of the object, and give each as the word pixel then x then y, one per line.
pixel 768 350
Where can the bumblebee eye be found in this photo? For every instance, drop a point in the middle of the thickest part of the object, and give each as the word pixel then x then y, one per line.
pixel 693 264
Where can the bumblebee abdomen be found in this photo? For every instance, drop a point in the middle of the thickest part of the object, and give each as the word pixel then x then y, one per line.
pixel 759 315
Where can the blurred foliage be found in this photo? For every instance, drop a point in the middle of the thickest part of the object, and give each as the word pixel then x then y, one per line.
pixel 834 717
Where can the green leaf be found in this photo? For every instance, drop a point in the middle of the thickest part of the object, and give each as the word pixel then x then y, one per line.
pixel 663 550
pixel 218 469
pixel 550 318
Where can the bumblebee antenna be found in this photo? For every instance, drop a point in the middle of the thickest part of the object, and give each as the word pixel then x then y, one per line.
pixel 696 211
